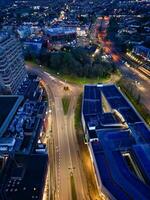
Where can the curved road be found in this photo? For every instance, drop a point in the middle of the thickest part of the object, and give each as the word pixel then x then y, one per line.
pixel 63 146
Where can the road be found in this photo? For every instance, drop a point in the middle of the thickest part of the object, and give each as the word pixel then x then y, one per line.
pixel 63 146
pixel 140 81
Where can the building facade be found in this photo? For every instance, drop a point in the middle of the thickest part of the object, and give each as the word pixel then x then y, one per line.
pixel 142 51
pixel 119 143
pixel 12 66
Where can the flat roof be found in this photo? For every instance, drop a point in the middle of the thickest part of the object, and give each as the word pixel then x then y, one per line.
pixel 25 180
pixel 121 153
pixel 8 106
pixel 60 30
pixel 7 141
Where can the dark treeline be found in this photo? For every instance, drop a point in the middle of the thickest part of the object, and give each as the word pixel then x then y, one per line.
pixel 76 61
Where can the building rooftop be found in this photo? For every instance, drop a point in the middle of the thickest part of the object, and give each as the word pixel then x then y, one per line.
pixel 24 177
pixel 3 36
pixel 59 30
pixel 120 143
pixel 8 106
pixel 23 163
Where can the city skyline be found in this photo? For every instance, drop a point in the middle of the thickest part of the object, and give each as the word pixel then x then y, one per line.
pixel 74 100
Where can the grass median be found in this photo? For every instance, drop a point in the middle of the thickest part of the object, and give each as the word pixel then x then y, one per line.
pixel 65 103
pixel 78 125
pixel 73 189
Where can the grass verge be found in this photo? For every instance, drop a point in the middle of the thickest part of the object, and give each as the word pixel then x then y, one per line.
pixel 138 106
pixel 78 125
pixel 73 189
pixel 65 103
pixel 83 80
pixel 72 78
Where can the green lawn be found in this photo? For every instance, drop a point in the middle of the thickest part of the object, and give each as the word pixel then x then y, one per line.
pixel 82 80
pixel 65 103
pixel 73 189
pixel 76 80
pixel 72 78
pixel 78 113
pixel 31 63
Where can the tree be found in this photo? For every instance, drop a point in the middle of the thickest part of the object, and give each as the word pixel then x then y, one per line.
pixel 55 61
pixel 112 28
pixel 76 61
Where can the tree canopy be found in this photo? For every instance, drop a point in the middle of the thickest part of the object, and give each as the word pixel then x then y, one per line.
pixel 77 61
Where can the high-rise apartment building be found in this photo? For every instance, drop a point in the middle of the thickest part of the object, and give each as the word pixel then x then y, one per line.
pixel 12 66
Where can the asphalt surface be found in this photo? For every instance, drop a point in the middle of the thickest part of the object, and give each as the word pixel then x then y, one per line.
pixel 64 155
pixel 140 81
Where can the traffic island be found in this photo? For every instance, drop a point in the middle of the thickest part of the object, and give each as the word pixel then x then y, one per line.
pixel 73 189
pixel 65 103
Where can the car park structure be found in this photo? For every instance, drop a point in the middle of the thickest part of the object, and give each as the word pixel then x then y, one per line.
pixel 118 141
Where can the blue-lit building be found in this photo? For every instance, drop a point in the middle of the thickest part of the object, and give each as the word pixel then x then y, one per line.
pixel 23 156
pixel 142 51
pixel 12 65
pixel 118 141
pixel 61 34
pixel 8 106
pixel 24 31
pixel 33 46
